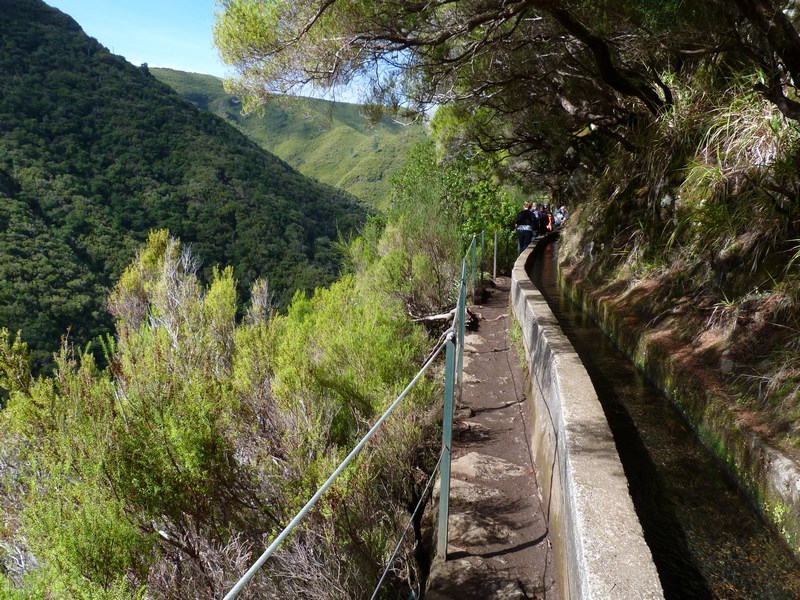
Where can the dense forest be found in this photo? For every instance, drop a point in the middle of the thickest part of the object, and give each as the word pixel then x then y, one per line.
pixel 95 152
pixel 334 142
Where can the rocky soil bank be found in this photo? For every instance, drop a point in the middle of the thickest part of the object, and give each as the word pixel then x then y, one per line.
pixel 688 355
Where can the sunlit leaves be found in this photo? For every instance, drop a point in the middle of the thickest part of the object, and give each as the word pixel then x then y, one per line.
pixel 202 432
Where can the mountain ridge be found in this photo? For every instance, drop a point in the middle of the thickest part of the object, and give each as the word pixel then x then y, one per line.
pixel 95 153
pixel 312 134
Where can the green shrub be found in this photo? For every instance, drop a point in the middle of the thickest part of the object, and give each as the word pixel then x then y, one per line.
pixel 202 435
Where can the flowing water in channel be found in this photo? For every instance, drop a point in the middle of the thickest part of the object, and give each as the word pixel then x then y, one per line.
pixel 706 540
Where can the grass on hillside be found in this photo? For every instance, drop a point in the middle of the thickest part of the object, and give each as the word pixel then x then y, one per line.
pixel 333 142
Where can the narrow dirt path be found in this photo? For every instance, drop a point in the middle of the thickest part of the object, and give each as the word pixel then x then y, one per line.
pixel 498 544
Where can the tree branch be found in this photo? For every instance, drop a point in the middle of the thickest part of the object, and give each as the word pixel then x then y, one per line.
pixel 776 27
pixel 627 83
pixel 774 93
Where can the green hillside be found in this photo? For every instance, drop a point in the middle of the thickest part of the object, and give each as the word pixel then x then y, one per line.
pixel 330 141
pixel 95 152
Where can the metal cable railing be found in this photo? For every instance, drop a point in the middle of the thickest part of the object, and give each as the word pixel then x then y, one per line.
pixel 422 500
pixel 454 355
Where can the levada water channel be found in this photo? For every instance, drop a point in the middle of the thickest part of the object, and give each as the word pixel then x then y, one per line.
pixel 706 539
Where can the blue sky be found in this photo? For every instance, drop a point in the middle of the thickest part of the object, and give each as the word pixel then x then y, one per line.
pixel 162 33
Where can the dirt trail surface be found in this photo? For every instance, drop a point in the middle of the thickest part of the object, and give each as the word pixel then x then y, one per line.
pixel 498 545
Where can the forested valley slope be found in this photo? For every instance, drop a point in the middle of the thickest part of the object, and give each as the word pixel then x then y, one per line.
pixel 334 142
pixel 670 130
pixel 95 152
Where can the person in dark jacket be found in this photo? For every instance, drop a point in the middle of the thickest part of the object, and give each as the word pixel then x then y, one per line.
pixel 549 220
pixel 536 211
pixel 525 227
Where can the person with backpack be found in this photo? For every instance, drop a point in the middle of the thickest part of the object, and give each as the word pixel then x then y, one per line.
pixel 548 220
pixel 525 227
pixel 542 220
pixel 560 216
pixel 536 212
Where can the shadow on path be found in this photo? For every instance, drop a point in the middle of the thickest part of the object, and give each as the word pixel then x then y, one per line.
pixel 498 545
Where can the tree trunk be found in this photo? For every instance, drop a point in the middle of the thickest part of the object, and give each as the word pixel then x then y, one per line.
pixel 626 83
pixel 783 38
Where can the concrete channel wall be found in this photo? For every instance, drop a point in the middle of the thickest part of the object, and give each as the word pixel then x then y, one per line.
pixel 598 540
pixel 769 477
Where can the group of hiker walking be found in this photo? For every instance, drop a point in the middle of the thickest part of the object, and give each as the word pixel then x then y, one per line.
pixel 535 220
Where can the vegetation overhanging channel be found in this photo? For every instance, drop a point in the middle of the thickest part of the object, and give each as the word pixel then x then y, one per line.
pixel 194 331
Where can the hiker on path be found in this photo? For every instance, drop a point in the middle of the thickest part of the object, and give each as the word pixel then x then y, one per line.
pixel 560 216
pixel 536 212
pixel 549 221
pixel 525 226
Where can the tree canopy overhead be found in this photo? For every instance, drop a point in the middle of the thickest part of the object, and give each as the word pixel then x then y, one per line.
pixel 519 70
pixel 670 126
pixel 419 51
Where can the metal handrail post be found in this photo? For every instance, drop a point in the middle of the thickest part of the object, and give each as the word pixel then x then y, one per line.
pixel 505 254
pixel 458 329
pixel 474 260
pixel 494 258
pixel 447 440
pixel 462 317
pixel 483 252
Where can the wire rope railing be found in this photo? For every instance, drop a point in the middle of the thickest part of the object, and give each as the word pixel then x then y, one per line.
pixel 453 344
pixel 420 504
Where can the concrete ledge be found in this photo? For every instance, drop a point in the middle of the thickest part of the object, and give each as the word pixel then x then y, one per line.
pixel 598 540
